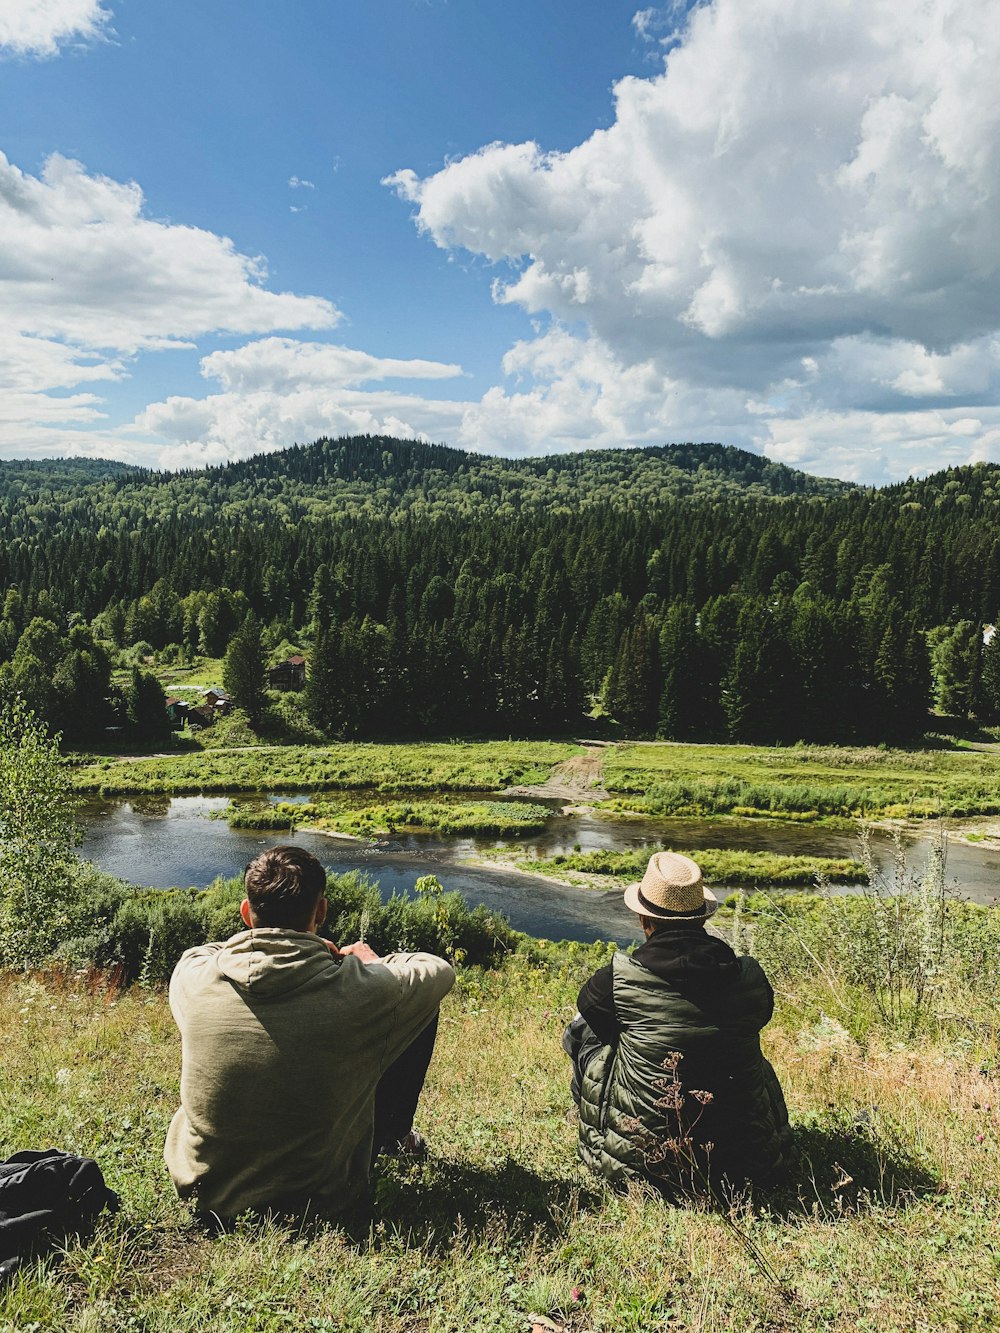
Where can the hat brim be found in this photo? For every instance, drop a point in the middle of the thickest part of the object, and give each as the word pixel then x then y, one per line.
pixel 711 904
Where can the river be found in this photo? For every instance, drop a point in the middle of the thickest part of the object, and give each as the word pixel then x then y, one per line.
pixel 167 842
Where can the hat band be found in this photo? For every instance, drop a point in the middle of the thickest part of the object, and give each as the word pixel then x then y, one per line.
pixel 656 909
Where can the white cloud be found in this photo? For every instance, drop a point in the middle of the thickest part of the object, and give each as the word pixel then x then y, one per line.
pixel 879 447
pixel 276 391
pixel 800 209
pixel 786 241
pixel 41 27
pixel 88 280
pixel 271 364
pixel 660 24
pixel 84 263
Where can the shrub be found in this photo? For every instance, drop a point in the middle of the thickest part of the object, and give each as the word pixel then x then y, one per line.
pixel 900 944
pixel 281 815
pixel 143 932
pixel 38 832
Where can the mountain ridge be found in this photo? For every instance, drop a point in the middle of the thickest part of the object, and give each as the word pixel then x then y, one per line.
pixel 377 476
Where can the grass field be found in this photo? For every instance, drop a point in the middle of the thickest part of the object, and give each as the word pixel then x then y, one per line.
pixel 720 866
pixel 458 766
pixel 892 1222
pixel 490 818
pixel 795 782
pixel 802 780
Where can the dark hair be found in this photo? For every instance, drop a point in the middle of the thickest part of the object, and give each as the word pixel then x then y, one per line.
pixel 283 886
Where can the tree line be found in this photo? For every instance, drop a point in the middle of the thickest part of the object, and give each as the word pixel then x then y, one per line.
pixel 764 609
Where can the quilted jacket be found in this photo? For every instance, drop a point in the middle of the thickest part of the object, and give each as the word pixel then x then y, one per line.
pixel 685 1095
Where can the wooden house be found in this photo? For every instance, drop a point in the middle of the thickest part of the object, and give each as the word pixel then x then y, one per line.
pixel 289 674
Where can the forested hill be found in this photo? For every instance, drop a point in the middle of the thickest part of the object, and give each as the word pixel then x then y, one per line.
pixel 690 590
pixel 31 479
pixel 374 476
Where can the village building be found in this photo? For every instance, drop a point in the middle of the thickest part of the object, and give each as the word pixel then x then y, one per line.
pixel 289 674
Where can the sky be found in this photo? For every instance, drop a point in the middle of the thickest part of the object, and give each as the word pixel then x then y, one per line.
pixel 517 227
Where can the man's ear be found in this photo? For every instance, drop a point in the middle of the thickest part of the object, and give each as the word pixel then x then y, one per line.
pixel 321 910
pixel 245 913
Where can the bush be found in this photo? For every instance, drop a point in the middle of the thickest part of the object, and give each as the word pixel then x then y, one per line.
pixel 151 931
pixel 38 832
pixel 900 944
pixel 143 932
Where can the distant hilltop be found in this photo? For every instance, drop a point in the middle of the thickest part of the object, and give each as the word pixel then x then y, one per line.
pixel 373 474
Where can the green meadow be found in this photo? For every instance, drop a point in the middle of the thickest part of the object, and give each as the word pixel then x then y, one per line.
pixel 891 1220
pixel 489 818
pixel 605 869
pixel 802 781
pixel 441 766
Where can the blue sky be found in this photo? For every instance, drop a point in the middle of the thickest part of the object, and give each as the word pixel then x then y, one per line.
pixel 515 227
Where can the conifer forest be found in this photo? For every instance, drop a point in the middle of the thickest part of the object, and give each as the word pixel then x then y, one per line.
pixel 683 592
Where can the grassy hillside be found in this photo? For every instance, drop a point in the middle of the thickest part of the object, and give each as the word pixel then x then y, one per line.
pixel 891 1222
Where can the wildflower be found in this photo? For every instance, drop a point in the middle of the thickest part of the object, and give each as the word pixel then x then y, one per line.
pixel 979 1138
pixel 702 1097
pixel 578 1296
pixel 672 1099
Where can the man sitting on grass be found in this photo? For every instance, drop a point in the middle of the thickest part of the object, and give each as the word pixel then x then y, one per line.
pixel 301 1061
pixel 668 1072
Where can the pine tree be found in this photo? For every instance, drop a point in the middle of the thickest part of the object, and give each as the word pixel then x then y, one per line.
pixel 683 710
pixel 244 672
pixel 146 707
pixel 636 680
pixel 955 652
pixel 988 703
pixel 759 692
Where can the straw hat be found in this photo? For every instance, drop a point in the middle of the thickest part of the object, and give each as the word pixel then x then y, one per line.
pixel 671 890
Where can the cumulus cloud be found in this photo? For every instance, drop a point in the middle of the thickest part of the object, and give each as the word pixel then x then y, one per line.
pixel 84 263
pixel 276 391
pixel 273 363
pixel 798 211
pixel 41 27
pixel 660 24
pixel 88 280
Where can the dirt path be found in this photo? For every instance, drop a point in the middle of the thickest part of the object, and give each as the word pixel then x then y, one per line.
pixel 580 779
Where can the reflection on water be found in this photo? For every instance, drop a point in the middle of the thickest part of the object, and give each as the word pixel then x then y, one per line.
pixel 168 842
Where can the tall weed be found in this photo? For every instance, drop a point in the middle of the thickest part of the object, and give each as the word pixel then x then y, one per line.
pixel 901 944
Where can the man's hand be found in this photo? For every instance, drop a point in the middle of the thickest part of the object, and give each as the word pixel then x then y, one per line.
pixel 362 951
pixel 337 953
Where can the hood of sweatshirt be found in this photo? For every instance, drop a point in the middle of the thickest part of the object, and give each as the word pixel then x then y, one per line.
pixel 271 961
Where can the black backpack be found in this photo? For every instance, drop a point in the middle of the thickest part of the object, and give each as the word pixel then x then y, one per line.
pixel 45 1195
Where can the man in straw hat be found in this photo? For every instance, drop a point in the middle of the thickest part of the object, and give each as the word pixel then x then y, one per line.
pixel 667 1067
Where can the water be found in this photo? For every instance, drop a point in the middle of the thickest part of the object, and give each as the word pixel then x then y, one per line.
pixel 166 842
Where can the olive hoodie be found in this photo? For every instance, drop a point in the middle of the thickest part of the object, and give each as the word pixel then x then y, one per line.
pixel 283 1045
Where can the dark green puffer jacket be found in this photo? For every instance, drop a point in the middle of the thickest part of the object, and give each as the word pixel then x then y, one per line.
pixel 740 1133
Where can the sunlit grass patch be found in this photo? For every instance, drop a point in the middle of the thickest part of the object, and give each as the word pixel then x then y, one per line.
pixel 444 766
pixel 890 1224
pixel 795 781
pixel 719 866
